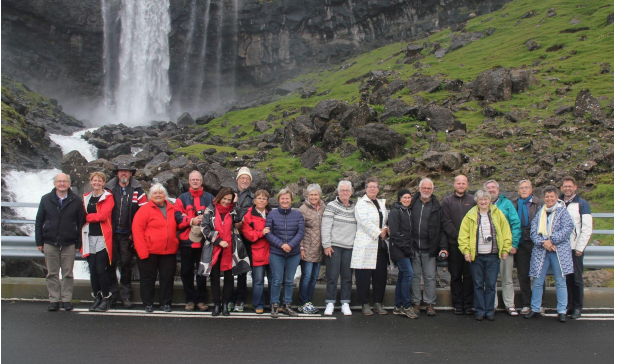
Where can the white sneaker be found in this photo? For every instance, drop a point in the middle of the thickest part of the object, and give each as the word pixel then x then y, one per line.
pixel 329 309
pixel 346 310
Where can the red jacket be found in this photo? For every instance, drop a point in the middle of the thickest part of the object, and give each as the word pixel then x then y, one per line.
pixel 252 229
pixel 103 215
pixel 152 233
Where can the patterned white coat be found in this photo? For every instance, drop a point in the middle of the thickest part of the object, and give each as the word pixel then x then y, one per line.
pixel 364 255
pixel 562 228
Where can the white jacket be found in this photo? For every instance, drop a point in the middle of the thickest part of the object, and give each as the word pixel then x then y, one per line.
pixel 580 211
pixel 364 255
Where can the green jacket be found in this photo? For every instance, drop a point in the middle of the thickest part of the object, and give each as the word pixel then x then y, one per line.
pixel 467 236
pixel 509 211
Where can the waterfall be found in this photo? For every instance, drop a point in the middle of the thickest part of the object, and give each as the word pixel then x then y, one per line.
pixel 75 142
pixel 202 56
pixel 184 82
pixel 108 92
pixel 219 52
pixel 143 88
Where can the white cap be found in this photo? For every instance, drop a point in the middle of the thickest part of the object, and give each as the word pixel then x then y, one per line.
pixel 246 171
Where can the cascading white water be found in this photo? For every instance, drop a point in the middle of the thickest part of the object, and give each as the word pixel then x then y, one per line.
pixel 75 142
pixel 219 52
pixel 108 92
pixel 203 64
pixel 143 89
pixel 189 50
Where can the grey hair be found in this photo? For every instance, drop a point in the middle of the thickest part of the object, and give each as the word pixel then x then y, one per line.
pixel 523 181
pixel 313 187
pixel 66 174
pixel 344 183
pixel 285 191
pixel 480 194
pixel 426 180
pixel 157 187
pixel 196 171
pixel 491 181
pixel 549 189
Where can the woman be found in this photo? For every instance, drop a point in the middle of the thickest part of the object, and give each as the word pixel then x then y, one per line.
pixel 97 244
pixel 338 231
pixel 550 233
pixel 254 229
pixel 310 248
pixel 154 236
pixel 217 227
pixel 370 250
pixel 401 253
pixel 286 232
pixel 484 237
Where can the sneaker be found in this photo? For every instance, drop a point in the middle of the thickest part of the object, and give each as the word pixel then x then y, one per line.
pixel 67 306
pixel 542 311
pixel 458 311
pixel 230 306
pixel 274 310
pixel 202 307
pixel 346 310
pixel 126 303
pixel 239 307
pixel 289 311
pixel 430 311
pixel 417 309
pixel 310 309
pixel 409 312
pixel 53 306
pixel 525 311
pixel 190 306
pixel 302 308
pixel 166 308
pixel 379 309
pixel 398 310
pixel 259 311
pixel 366 310
pixel 330 309
pixel 149 308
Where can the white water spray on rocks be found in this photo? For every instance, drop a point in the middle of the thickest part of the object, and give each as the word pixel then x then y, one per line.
pixel 75 142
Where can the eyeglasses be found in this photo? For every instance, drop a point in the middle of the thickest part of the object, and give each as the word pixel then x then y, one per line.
pixel 524 188
pixel 62 181
pixel 347 191
pixel 195 180
pixel 371 187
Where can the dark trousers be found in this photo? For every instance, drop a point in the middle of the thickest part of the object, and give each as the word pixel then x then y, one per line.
pixel 123 252
pixel 215 284
pixel 189 259
pixel 379 276
pixel 97 264
pixel 522 259
pixel 165 267
pixel 461 284
pixel 241 291
pixel 575 284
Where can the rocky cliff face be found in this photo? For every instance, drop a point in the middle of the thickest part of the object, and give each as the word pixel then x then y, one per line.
pixel 57 46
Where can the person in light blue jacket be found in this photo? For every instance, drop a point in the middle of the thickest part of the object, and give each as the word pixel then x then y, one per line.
pixel 508 209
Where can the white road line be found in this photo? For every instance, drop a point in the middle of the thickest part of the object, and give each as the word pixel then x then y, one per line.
pixel 586 315
pixel 205 316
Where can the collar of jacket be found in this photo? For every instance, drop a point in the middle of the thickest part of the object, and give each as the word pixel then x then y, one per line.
pixel 284 211
pixel 351 203
pixel 365 198
pixel 321 205
pixel 500 198
pixel 105 194
pixel 576 198
pixel 168 205
pixel 473 213
pixel 254 211
pixel 69 196
pixel 398 205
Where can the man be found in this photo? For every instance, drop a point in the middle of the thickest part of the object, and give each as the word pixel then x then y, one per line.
pixel 527 206
pixel 243 200
pixel 128 198
pixel 580 211
pixel 428 242
pixel 57 233
pixel 508 209
pixel 189 209
pixel 454 209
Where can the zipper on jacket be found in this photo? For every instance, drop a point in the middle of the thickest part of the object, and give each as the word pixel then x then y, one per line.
pixel 120 215
pixel 285 216
pixel 419 229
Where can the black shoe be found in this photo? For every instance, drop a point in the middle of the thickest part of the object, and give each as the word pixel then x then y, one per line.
pixel 53 306
pixel 166 308
pixel 149 308
pixel 217 310
pixel 289 311
pixel 225 310
pixel 490 317
pixel 569 312
pixel 576 314
pixel 561 317
pixel 479 317
pixel 274 310
pixel 533 314
pixel 67 306
pixel 97 301
pixel 470 311
pixel 112 300
pixel 104 305
pixel 458 311
pixel 126 303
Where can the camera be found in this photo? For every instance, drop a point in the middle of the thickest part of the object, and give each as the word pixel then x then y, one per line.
pixel 200 212
pixel 488 239
pixel 442 256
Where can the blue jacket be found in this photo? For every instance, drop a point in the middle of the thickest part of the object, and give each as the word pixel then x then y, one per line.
pixel 286 227
pixel 508 209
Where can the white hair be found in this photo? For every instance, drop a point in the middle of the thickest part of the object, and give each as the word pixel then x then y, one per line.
pixel 313 187
pixel 157 187
pixel 426 180
pixel 524 181
pixel 344 183
pixel 491 181
pixel 480 194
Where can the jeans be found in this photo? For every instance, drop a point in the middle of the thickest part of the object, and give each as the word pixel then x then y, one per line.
pixel 55 259
pixel 283 270
pixel 189 259
pixel 259 298
pixel 310 273
pixel 551 260
pixel 575 283
pixel 424 265
pixel 338 264
pixel 484 271
pixel 402 293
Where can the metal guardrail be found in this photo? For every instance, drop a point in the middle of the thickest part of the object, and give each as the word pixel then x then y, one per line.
pixel 23 247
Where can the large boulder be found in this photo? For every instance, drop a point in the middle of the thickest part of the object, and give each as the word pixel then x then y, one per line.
pixel 170 181
pixel 522 79
pixel 460 40
pixel 376 141
pixel 423 83
pixel 586 103
pixel 329 109
pixel 440 119
pixel 217 176
pixel 313 157
pixel 413 49
pixel 358 115
pixel 395 108
pixel 260 181
pixel 157 165
pixel 115 150
pixel 299 135
pixel 72 160
pixel 333 137
pixel 383 91
pixel 185 120
pixel 493 85
pixel 446 161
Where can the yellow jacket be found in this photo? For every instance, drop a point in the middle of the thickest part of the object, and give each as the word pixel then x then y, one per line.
pixel 467 235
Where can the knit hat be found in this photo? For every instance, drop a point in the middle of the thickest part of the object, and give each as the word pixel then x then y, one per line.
pixel 403 192
pixel 246 171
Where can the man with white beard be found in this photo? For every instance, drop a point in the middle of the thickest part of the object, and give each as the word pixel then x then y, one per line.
pixel 128 198
pixel 429 241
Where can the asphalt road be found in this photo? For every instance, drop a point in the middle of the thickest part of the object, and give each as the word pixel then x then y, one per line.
pixel 31 334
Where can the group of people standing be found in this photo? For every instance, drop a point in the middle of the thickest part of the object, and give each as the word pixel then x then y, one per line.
pixel 236 232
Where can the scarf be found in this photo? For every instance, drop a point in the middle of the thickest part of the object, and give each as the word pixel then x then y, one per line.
pixel 523 212
pixel 545 226
pixel 224 226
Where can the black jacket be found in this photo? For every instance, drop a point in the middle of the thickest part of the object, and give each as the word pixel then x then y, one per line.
pixel 59 226
pixel 454 208
pixel 436 234
pixel 399 222
pixel 245 201
pixel 536 204
pixel 137 198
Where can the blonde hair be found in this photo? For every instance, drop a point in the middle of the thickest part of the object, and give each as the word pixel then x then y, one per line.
pixel 285 191
pixel 100 175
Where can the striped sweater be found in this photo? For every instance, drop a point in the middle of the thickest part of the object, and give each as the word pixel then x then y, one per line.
pixel 338 225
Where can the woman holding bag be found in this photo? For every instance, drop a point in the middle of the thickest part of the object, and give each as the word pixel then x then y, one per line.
pixel 97 239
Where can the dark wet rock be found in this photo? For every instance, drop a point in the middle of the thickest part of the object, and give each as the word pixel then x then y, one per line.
pixel 383 92
pixel 546 161
pixel 204 119
pixel 217 176
pixel 423 84
pixel 439 118
pixel 515 115
pixel 307 92
pixel 180 162
pixel 493 85
pixel 587 166
pixel 170 181
pixel 376 141
pixel 329 109
pixel 522 79
pixel 395 108
pixel 461 40
pixel 563 110
pixel 313 157
pixel 358 115
pixel 533 170
pixel 586 103
pixel 553 122
pixel 490 112
pixel 158 146
pixel 448 161
pixel 299 135
pixel 487 171
pixel 185 120
pixel 261 126
pixel 115 150
pixel 413 49
pixel 348 150
pixel 333 137
pixel 72 160
pixel 441 52
pixel 403 165
pixel 528 14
